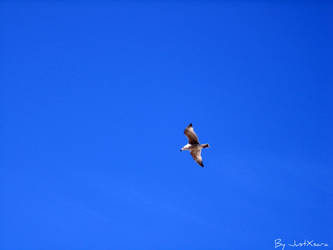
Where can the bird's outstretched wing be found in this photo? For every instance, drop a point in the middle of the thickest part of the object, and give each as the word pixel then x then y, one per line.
pixel 196 154
pixel 192 137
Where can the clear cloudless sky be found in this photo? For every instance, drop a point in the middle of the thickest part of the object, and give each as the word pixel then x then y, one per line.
pixel 94 101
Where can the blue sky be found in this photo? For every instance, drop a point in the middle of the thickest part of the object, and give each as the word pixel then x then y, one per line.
pixel 94 101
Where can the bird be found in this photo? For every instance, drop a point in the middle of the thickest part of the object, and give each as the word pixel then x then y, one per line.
pixel 193 145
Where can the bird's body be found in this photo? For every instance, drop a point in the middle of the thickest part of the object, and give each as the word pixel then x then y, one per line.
pixel 193 145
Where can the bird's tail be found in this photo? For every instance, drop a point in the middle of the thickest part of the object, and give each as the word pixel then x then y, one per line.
pixel 205 145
